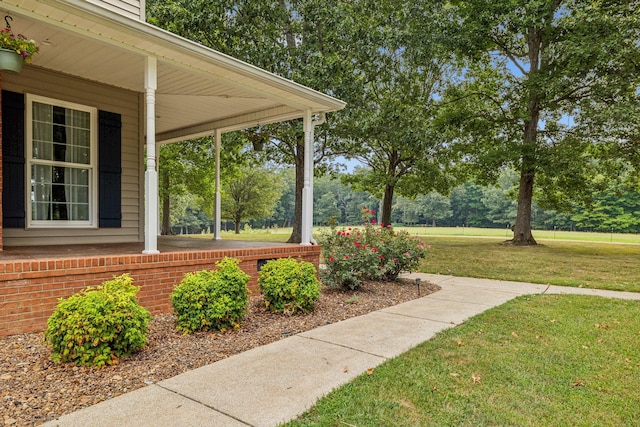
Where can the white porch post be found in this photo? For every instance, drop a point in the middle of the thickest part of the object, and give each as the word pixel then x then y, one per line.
pixel 151 174
pixel 218 205
pixel 307 190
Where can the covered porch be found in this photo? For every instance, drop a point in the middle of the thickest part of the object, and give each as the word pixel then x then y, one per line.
pixel 139 86
pixel 80 131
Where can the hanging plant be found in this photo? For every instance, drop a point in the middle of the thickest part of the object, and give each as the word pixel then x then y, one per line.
pixel 18 43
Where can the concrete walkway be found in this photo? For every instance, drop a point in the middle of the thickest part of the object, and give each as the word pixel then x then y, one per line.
pixel 277 382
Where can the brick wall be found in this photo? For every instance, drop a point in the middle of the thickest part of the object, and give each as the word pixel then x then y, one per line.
pixel 29 289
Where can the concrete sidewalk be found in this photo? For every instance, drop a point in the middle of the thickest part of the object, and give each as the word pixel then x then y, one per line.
pixel 277 382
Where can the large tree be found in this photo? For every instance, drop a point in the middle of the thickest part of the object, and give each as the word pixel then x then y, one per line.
pixel 546 87
pixel 392 107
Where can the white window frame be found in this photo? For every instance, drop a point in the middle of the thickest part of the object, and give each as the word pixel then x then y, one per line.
pixel 92 222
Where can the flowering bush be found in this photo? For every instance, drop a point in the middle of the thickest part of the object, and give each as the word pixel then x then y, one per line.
pixel 373 252
pixel 18 43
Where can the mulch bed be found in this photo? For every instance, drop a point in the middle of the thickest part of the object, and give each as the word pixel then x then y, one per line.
pixel 34 390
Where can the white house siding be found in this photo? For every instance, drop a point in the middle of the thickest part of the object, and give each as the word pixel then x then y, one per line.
pixel 107 98
pixel 130 8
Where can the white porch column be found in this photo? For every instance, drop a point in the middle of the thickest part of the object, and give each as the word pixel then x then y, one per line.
pixel 307 190
pixel 151 174
pixel 218 204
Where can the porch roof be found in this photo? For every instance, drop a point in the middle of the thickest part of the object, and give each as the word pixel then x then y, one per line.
pixel 199 89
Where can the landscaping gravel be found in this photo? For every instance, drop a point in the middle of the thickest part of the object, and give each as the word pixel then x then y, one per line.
pixel 34 390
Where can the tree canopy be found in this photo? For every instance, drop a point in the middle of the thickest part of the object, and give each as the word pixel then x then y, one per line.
pixel 548 87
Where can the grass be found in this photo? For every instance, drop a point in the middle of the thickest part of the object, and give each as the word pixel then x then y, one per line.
pixel 565 263
pixel 542 236
pixel 539 360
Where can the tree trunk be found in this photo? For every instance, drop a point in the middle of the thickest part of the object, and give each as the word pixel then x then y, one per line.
pixel 296 234
pixel 238 220
pixel 522 228
pixel 387 203
pixel 166 205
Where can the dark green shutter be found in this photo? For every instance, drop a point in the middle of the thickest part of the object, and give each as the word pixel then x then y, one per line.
pixel 13 176
pixel 109 169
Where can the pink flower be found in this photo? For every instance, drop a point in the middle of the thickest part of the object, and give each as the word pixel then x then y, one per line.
pixel 407 254
pixel 375 249
pixel 395 260
pixel 346 257
pixel 347 234
pixel 389 226
pixel 381 256
pixel 373 221
pixel 332 259
pixel 372 212
pixel 382 224
pixel 357 244
pixel 349 228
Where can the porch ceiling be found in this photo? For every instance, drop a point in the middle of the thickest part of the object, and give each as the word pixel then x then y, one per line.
pixel 199 89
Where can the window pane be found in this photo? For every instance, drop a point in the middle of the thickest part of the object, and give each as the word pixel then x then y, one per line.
pixel 40 211
pixel 81 155
pixel 41 174
pixel 80 212
pixel 81 137
pixel 59 212
pixel 80 194
pixel 80 177
pixel 42 112
pixel 41 150
pixel 81 119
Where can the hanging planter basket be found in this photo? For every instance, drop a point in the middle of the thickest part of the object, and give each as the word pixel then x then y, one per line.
pixel 10 61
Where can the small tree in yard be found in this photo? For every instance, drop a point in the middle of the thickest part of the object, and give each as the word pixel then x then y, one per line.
pixel 250 194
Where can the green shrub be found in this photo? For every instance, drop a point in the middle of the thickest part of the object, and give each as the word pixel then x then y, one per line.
pixel 98 326
pixel 289 286
pixel 373 252
pixel 212 300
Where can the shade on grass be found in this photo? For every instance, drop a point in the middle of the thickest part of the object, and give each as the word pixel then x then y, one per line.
pixel 536 361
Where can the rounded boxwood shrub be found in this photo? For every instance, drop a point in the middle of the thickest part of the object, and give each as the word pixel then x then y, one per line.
pixel 289 286
pixel 98 326
pixel 212 300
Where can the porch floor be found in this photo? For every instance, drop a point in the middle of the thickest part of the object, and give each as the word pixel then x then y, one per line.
pixel 165 244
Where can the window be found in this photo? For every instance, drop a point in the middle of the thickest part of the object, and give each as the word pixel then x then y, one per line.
pixel 61 156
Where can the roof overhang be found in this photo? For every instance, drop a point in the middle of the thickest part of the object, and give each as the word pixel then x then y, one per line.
pixel 199 89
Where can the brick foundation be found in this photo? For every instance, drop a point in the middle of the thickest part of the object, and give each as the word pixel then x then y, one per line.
pixel 30 289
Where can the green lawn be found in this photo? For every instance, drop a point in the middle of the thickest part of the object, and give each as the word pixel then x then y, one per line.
pixel 543 360
pixel 567 263
pixel 542 236
pixel 540 360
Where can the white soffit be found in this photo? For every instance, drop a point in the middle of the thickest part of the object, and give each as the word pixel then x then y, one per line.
pixel 199 89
